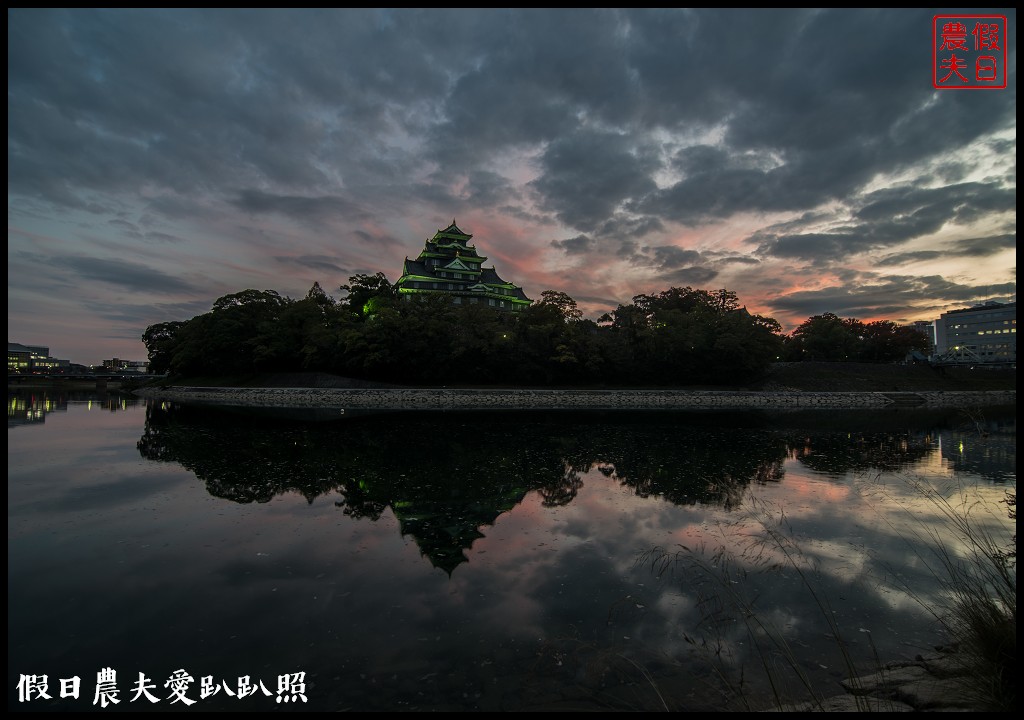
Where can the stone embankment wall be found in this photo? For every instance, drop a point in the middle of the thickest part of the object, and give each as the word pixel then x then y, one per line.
pixel 516 399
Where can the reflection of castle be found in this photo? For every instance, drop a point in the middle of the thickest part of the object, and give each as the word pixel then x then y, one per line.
pixel 447 477
pixel 449 265
pixel 444 487
pixel 444 528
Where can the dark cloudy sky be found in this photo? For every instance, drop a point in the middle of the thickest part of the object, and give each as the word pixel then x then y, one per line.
pixel 157 160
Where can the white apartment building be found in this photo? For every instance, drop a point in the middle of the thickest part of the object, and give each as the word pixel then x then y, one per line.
pixel 986 334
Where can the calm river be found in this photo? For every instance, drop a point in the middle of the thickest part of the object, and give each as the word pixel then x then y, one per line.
pixel 174 557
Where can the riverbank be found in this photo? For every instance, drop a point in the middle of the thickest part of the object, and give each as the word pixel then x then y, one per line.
pixel 940 682
pixel 876 377
pixel 435 399
pixel 781 377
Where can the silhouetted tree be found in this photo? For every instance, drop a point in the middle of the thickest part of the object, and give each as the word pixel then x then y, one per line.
pixel 683 335
pixel 679 336
pixel 886 341
pixel 832 338
pixel 365 294
pixel 161 340
pixel 565 305
pixel 825 337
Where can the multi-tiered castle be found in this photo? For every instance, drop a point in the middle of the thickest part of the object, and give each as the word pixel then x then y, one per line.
pixel 449 265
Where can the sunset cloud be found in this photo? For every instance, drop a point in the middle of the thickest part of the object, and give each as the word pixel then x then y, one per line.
pixel 158 159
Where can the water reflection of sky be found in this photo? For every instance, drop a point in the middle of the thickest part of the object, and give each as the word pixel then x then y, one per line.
pixel 326 561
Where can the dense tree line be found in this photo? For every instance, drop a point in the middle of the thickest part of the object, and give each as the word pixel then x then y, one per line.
pixel 681 336
pixel 829 337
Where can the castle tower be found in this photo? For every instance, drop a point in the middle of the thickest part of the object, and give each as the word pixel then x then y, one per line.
pixel 450 265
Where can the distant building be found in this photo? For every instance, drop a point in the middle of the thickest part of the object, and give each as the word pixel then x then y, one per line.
pixel 118 365
pixel 449 265
pixel 928 330
pixel 986 334
pixel 22 359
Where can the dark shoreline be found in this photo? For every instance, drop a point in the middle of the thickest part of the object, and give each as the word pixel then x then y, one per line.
pixel 522 399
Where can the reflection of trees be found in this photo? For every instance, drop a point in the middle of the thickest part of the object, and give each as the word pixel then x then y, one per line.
pixel 243 459
pixel 838 453
pixel 446 476
pixel 687 465
pixel 991 454
pixel 563 493
pixel 979 440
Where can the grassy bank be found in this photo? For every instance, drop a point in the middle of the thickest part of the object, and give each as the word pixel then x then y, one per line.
pixel 870 377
